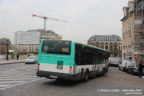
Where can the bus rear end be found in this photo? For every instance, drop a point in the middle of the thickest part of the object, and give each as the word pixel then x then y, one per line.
pixel 56 59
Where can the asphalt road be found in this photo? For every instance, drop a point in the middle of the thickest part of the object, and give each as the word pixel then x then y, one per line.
pixel 20 80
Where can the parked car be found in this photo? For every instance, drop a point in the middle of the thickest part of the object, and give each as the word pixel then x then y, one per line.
pixel 123 65
pixel 114 61
pixel 133 68
pixel 31 60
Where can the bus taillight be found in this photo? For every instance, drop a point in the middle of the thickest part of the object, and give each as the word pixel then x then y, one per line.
pixel 38 67
pixel 70 68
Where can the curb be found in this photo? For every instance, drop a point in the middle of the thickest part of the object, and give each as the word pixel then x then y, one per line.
pixel 11 62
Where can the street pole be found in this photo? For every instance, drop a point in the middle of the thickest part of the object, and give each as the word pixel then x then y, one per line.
pixel 7 50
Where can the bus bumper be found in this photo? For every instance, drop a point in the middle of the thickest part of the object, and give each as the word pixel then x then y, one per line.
pixel 56 75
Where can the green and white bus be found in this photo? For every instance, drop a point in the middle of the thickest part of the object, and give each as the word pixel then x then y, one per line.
pixel 61 59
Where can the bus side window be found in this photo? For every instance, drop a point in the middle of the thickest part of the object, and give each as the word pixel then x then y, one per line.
pixel 78 55
pixel 101 59
pixel 98 60
pixel 95 59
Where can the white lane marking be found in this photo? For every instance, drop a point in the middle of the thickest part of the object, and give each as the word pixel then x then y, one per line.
pixel 4 85
pixel 18 76
pixel 20 84
pixel 17 73
pixel 10 79
pixel 24 67
pixel 10 82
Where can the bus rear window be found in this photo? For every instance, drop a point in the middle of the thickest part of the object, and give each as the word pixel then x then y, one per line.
pixel 56 47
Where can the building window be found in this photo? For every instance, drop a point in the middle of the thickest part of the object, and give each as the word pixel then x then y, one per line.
pixel 123 47
pixel 130 27
pixel 111 47
pixel 106 47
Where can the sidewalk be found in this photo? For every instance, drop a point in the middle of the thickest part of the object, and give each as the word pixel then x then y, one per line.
pixel 2 62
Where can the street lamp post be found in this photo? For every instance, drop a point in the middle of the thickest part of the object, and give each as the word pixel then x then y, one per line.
pixel 7 45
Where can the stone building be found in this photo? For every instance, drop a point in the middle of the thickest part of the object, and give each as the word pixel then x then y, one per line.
pixel 133 29
pixel 28 41
pixel 112 43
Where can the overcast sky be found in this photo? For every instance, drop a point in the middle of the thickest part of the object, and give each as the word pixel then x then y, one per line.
pixel 85 17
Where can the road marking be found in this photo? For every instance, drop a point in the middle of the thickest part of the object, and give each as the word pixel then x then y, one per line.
pixel 4 85
pixel 20 84
pixel 17 76
pixel 10 82
pixel 15 79
pixel 25 67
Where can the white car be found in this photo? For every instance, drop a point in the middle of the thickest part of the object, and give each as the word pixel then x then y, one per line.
pixel 123 65
pixel 31 60
pixel 133 68
pixel 114 61
pixel 126 64
pixel 130 63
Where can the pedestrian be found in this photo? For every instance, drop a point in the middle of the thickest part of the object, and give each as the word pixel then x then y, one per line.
pixel 140 68
pixel 17 56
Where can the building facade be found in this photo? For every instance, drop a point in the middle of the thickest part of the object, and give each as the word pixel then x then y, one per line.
pixel 28 41
pixel 133 29
pixel 112 43
pixel 128 31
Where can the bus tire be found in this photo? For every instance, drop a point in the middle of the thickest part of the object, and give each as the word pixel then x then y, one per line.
pixel 82 74
pixel 86 77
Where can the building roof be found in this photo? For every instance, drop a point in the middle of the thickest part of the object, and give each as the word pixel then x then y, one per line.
pixel 110 38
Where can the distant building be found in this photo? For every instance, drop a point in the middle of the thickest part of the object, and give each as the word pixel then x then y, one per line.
pixel 28 41
pixel 112 43
pixel 133 30
pixel 4 43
